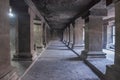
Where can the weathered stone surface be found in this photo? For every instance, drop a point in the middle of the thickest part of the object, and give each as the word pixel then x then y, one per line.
pixel 93 37
pixel 59 63
pixel 59 13
pixel 79 24
pixel 24 46
pixel 38 34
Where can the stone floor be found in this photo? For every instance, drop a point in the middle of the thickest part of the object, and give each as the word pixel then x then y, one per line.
pixel 59 63
pixel 109 56
pixel 78 49
pixel 21 66
pixel 99 63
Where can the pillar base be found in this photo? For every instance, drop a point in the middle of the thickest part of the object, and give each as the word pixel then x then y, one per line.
pixel 8 73
pixel 71 45
pixel 92 54
pixel 22 57
pixel 40 47
pixel 112 72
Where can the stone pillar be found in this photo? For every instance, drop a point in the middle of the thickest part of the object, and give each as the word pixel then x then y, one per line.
pixel 6 71
pixel 25 44
pixel 67 35
pixel 32 44
pixel 93 38
pixel 113 71
pixel 41 34
pixel 44 35
pixel 47 35
pixel 79 32
pixel 73 33
pixel 105 34
pixel 38 32
pixel 64 36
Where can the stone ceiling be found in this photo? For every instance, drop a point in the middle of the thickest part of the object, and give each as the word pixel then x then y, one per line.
pixel 59 13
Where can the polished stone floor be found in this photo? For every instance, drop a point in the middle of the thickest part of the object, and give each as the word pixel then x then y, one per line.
pixel 57 62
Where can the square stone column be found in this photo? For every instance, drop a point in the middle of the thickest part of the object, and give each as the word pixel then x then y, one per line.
pixel 113 71
pixel 25 42
pixel 47 34
pixel 44 35
pixel 67 36
pixel 93 38
pixel 38 32
pixel 73 35
pixel 79 32
pixel 6 70
pixel 70 35
pixel 64 35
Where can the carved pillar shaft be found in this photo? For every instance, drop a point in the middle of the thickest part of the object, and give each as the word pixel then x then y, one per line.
pixel 93 37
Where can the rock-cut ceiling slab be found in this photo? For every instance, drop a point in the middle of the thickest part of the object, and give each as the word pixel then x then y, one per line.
pixel 59 13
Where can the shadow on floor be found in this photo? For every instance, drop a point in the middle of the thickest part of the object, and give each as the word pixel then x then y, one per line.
pixel 74 59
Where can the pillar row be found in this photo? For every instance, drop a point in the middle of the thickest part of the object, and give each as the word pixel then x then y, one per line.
pixel 93 38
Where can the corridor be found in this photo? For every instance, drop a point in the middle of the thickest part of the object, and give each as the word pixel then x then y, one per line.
pixel 57 62
pixel 60 39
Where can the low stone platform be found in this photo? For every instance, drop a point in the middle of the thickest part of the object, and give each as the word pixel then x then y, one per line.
pixel 59 63
pixel 98 65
